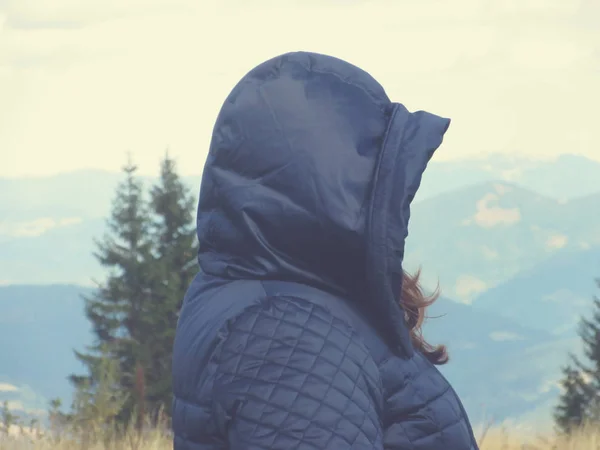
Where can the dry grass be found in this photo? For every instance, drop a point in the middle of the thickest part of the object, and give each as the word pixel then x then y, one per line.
pixel 493 439
pixel 503 439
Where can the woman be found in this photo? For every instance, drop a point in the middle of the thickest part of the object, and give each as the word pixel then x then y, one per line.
pixel 292 336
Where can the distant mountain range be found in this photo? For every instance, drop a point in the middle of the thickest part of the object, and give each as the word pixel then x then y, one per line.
pixel 39 328
pixel 85 194
pixel 514 244
pixel 88 193
pixel 550 297
pixel 469 228
pixel 474 238
pixel 563 178
pixel 502 370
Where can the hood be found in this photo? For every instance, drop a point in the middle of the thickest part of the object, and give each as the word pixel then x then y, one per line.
pixel 309 178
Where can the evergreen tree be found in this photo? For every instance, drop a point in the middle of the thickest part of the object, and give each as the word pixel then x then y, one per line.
pixel 97 405
pixel 589 331
pixel 175 250
pixel 117 309
pixel 570 413
pixel 150 253
pixel 174 229
pixel 580 401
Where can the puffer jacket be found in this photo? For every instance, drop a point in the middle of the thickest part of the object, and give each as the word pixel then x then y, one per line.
pixel 291 336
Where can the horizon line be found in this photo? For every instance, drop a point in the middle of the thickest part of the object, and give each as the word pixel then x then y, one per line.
pixel 440 160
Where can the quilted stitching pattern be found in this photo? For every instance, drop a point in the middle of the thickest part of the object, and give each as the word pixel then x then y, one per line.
pixel 287 373
pixel 422 411
pixel 292 376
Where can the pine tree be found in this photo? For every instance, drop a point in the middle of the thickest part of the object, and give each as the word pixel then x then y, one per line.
pixel 570 413
pixel 150 253
pixel 580 401
pixel 589 331
pixel 174 236
pixel 102 402
pixel 117 308
pixel 174 227
pixel 99 400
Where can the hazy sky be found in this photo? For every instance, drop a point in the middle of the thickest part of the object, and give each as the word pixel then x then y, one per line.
pixel 84 81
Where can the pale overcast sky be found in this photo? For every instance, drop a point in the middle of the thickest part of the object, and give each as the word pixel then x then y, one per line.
pixel 84 81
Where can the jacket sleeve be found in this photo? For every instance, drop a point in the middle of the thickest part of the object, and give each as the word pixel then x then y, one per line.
pixel 291 376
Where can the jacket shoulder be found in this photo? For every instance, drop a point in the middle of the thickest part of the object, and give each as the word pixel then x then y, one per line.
pixel 290 357
pixel 341 309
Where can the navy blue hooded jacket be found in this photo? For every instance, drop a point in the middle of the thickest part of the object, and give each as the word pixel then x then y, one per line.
pixel 291 336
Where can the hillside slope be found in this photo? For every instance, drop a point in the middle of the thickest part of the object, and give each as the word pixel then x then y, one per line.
pixel 476 238
pixel 552 296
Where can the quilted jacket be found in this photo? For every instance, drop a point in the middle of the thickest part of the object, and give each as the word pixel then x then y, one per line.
pixel 291 337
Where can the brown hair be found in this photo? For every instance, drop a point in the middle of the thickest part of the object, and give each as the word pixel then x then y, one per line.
pixel 414 303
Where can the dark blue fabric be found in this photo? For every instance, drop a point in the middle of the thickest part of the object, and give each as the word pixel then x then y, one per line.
pixel 291 335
